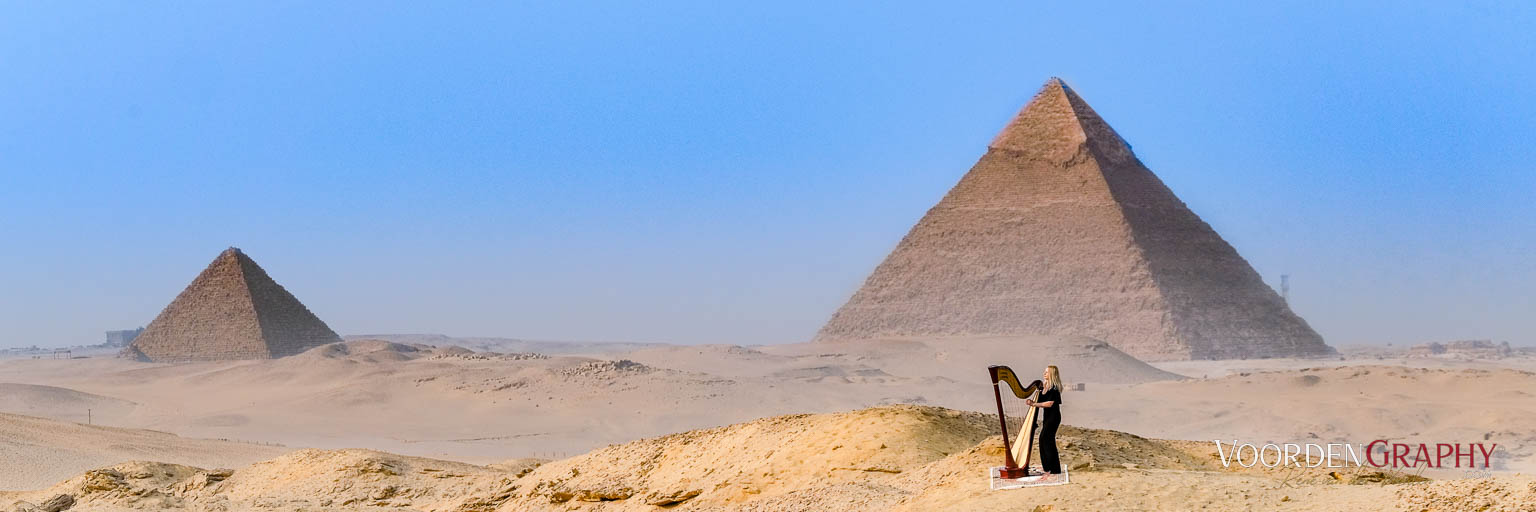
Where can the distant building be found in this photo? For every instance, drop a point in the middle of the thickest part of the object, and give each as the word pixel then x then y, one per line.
pixel 1475 349
pixel 122 338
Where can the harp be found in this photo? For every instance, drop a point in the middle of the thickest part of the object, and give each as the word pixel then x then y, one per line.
pixel 1016 443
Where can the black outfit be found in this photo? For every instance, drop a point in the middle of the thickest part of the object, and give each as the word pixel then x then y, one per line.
pixel 1049 460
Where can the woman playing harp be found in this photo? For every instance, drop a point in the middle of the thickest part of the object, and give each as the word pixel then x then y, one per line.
pixel 1050 401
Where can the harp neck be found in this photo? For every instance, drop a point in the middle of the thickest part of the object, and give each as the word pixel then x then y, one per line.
pixel 1004 374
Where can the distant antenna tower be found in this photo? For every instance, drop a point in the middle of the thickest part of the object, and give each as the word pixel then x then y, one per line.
pixel 1285 288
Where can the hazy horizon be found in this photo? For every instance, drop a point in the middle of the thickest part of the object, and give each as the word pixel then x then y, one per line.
pixel 700 173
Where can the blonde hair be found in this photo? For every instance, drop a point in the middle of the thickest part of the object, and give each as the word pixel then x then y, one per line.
pixel 1053 377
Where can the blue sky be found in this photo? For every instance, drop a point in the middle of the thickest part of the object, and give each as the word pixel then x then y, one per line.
pixel 698 172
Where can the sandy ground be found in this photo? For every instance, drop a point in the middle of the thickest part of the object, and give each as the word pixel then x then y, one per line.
pixel 482 407
pixel 903 458
pixel 495 403
pixel 36 452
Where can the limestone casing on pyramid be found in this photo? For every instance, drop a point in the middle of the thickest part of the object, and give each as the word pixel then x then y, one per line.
pixel 1060 230
pixel 233 310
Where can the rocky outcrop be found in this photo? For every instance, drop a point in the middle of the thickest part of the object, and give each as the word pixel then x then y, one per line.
pixel 899 458
pixel 57 503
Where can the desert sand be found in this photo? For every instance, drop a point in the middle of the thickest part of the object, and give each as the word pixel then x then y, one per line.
pixel 483 407
pixel 708 419
pixel 37 452
pixel 887 458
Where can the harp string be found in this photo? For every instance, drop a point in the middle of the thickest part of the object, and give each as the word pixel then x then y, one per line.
pixel 1017 415
pixel 1022 440
pixel 1017 412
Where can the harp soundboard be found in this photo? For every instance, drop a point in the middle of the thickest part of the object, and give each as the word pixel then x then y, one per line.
pixel 1018 446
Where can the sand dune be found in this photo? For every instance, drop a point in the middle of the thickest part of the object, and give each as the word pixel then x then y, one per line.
pixel 35 452
pixel 60 403
pixel 489 344
pixel 1354 404
pixel 482 407
pixel 1080 359
pixel 904 458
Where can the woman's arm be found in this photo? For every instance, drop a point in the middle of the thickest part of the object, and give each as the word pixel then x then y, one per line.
pixel 1033 403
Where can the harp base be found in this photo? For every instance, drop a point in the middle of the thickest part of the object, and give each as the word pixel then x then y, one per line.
pixel 1012 473
pixel 1037 478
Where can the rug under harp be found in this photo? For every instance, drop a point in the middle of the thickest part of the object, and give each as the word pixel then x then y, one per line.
pixel 1017 444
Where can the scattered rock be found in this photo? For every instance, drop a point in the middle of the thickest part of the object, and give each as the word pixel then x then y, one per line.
pixel 667 499
pixel 58 503
pixel 102 480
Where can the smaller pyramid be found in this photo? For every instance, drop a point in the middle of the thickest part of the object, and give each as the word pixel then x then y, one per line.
pixel 233 310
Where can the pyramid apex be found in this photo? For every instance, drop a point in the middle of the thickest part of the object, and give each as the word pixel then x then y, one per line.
pixel 1056 85
pixel 231 252
pixel 1047 125
pixel 1055 123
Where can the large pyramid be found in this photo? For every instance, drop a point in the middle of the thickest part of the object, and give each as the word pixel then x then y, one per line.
pixel 1060 230
pixel 233 310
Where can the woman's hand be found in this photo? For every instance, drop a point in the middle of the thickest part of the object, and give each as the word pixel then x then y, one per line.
pixel 1029 401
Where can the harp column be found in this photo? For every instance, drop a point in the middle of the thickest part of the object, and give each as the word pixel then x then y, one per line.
pixel 1011 467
